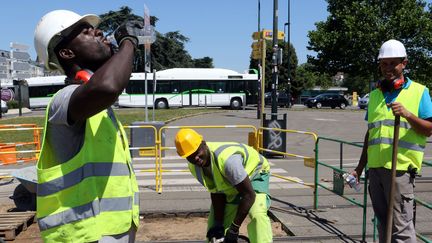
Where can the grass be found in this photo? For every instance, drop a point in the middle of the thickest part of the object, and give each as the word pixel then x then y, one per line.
pixel 126 117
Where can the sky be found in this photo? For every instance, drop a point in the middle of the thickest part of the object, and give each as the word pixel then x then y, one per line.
pixel 220 29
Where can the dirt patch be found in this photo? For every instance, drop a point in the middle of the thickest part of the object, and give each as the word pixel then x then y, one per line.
pixel 159 229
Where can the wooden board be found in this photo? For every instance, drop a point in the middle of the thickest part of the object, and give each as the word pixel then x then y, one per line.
pixel 12 223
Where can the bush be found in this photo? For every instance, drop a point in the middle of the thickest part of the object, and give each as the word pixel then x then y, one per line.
pixel 13 104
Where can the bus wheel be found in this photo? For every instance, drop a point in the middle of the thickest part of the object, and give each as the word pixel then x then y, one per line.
pixel 161 104
pixel 236 104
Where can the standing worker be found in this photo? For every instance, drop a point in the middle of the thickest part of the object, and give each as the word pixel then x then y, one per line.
pixel 237 177
pixel 87 190
pixel 396 95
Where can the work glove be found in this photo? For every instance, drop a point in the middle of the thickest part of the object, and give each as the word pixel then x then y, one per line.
pixel 129 31
pixel 232 234
pixel 216 232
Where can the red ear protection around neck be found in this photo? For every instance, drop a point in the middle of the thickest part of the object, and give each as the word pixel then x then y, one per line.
pixel 396 84
pixel 83 75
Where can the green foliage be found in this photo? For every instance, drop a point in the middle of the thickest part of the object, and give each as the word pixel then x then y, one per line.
pixel 307 78
pixel 13 104
pixel 349 40
pixel 205 62
pixel 168 51
pixel 283 68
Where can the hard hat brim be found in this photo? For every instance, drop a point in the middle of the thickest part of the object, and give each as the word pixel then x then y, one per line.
pixel 92 19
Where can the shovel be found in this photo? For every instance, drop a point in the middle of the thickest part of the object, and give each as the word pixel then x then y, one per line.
pixel 392 182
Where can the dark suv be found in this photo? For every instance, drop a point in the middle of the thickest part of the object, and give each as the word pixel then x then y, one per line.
pixel 327 100
pixel 282 98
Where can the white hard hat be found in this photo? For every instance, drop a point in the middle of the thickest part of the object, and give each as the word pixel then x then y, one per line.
pixel 51 30
pixel 391 49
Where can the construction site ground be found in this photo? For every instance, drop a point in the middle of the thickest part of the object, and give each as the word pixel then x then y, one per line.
pixel 178 212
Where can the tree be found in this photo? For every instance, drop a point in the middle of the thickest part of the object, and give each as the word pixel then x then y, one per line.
pixel 205 62
pixel 349 40
pixel 283 68
pixel 307 78
pixel 168 51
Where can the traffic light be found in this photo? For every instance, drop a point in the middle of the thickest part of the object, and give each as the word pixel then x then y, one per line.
pixel 256 49
pixel 256 35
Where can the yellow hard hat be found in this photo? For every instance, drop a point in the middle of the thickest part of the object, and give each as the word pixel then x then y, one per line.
pixel 187 141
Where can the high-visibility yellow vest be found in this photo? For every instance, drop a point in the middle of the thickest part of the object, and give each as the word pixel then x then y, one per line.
pixel 254 164
pixel 93 194
pixel 381 130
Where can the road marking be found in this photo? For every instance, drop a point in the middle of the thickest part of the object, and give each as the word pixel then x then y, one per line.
pixel 324 119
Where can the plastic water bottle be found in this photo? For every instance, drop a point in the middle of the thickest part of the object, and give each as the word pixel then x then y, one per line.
pixel 145 35
pixel 352 182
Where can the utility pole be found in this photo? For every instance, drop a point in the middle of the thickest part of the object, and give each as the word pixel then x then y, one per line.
pixel 274 61
pixel 289 57
pixel 260 92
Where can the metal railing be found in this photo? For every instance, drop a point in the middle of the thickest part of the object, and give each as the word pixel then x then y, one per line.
pixel 339 171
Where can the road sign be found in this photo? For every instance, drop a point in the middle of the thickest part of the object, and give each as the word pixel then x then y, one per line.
pixel 280 35
pixel 267 35
pixel 7 94
pixel 18 46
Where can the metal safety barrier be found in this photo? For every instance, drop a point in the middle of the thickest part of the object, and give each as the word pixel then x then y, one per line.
pixel 9 151
pixel 340 171
pixel 308 161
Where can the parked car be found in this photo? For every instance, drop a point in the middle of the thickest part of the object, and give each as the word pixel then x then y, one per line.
pixel 282 98
pixel 363 101
pixel 327 100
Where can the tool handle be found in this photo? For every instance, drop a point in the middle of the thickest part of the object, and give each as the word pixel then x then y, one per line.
pixel 389 221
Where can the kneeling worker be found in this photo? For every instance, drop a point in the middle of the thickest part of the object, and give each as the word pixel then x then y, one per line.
pixel 237 177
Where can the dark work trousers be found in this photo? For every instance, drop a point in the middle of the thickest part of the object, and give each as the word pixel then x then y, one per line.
pixel 379 189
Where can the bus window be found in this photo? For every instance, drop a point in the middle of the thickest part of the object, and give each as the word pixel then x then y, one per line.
pixel 44 91
pixel 217 86
pixel 236 86
pixel 163 87
pixel 175 87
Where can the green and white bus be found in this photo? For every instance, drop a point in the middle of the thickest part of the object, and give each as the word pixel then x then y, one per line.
pixel 184 87
pixel 178 87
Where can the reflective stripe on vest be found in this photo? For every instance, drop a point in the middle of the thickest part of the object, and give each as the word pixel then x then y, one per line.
pixel 381 130
pixel 88 210
pixel 402 144
pixel 76 176
pixel 389 123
